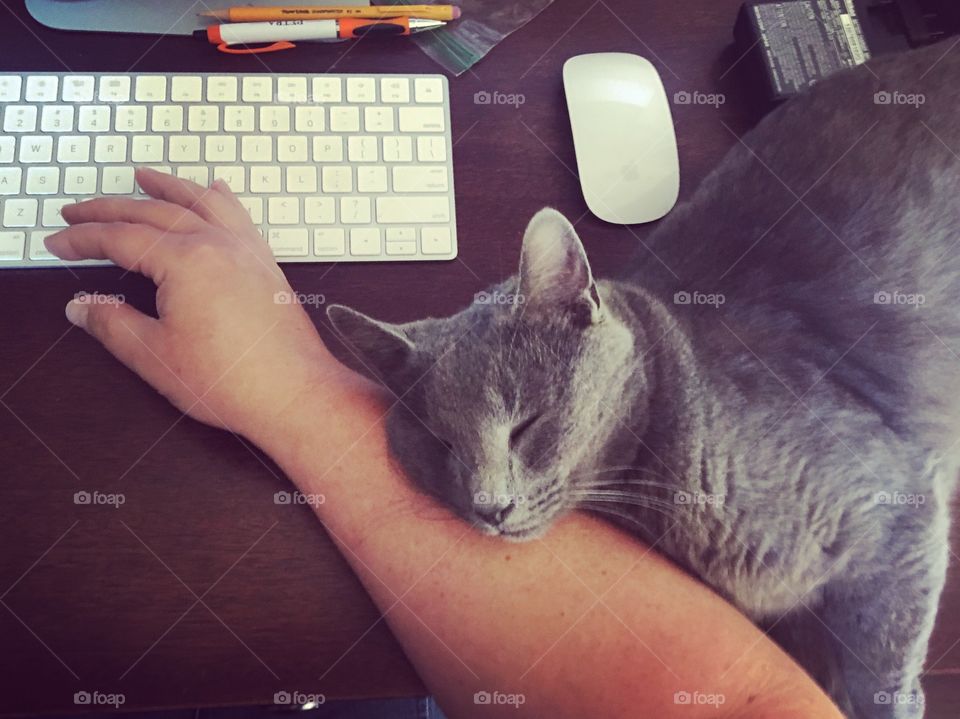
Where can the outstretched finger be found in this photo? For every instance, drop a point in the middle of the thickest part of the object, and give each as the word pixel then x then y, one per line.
pixel 156 213
pixel 139 248
pixel 210 204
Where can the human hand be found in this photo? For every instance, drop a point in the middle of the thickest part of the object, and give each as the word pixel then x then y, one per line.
pixel 229 347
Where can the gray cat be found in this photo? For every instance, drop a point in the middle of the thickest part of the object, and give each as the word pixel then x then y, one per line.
pixel 769 393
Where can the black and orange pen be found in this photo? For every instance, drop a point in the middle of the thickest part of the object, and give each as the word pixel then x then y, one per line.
pixel 282 33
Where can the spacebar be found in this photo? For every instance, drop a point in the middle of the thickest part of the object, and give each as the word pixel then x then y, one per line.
pixel 413 209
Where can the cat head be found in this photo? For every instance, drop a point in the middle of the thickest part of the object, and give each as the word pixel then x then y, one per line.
pixel 505 403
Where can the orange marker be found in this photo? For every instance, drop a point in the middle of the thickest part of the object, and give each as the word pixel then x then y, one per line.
pixel 281 33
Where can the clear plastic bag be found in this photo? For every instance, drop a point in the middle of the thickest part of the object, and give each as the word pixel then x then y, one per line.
pixel 483 24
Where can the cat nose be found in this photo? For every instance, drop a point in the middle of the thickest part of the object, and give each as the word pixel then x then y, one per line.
pixel 494 514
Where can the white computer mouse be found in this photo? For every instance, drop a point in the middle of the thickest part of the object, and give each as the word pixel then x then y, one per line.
pixel 623 135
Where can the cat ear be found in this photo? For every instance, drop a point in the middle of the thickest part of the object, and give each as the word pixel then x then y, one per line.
pixel 554 270
pixel 384 346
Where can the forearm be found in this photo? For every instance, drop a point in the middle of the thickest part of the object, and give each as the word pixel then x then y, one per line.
pixel 584 622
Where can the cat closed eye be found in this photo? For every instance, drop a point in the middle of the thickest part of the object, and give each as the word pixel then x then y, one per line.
pixel 522 427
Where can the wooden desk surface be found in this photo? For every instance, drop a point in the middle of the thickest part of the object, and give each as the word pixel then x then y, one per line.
pixel 200 590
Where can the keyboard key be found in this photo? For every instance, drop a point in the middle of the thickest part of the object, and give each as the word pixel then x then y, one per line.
pixel 401 234
pixel 361 89
pixel 78 88
pixel 283 211
pixel 264 179
pixel 110 148
pixel 151 88
pixel 20 213
pixel 36 148
pixel 309 119
pixel 257 89
pixel 10 91
pixel 394 89
pixel 420 178
pixel 117 181
pixel 421 119
pixel 428 89
pixel 328 148
pixel 436 241
pixel 166 118
pixel 20 118
pixel 302 179
pixel 254 148
pixel 94 118
pixel 11 243
pixel 237 118
pixel 274 119
pixel 378 119
pixel 362 148
pixel 412 210
pixel 52 216
pixel 292 148
pixel 365 241
pixel 319 211
pixel 292 89
pixel 7 147
pixel 289 242
pixel 38 250
pixel 327 89
pixel 344 118
pixel 372 179
pixel 355 210
pixel 234 176
pixel 195 173
pixel 254 207
pixel 397 148
pixel 221 88
pixel 329 242
pixel 42 181
pixel 184 148
pixel 114 88
pixel 56 118
pixel 42 88
pixel 74 148
pixel 220 148
pixel 186 88
pixel 203 118
pixel 432 148
pixel 147 148
pixel 80 180
pixel 130 118
pixel 402 248
pixel 10 180
pixel 337 178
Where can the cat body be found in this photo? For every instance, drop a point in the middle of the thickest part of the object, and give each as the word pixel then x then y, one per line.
pixel 768 394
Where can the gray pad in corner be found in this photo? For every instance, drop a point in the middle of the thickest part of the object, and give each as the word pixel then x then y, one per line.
pixel 156 17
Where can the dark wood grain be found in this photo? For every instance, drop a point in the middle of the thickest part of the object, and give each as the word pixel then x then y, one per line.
pixel 200 590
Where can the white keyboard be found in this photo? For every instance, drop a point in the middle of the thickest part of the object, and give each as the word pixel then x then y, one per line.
pixel 332 168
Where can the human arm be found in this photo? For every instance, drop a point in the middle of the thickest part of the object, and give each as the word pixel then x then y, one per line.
pixel 584 622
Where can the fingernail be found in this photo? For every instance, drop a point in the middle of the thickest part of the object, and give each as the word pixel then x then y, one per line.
pixel 219 184
pixel 77 313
